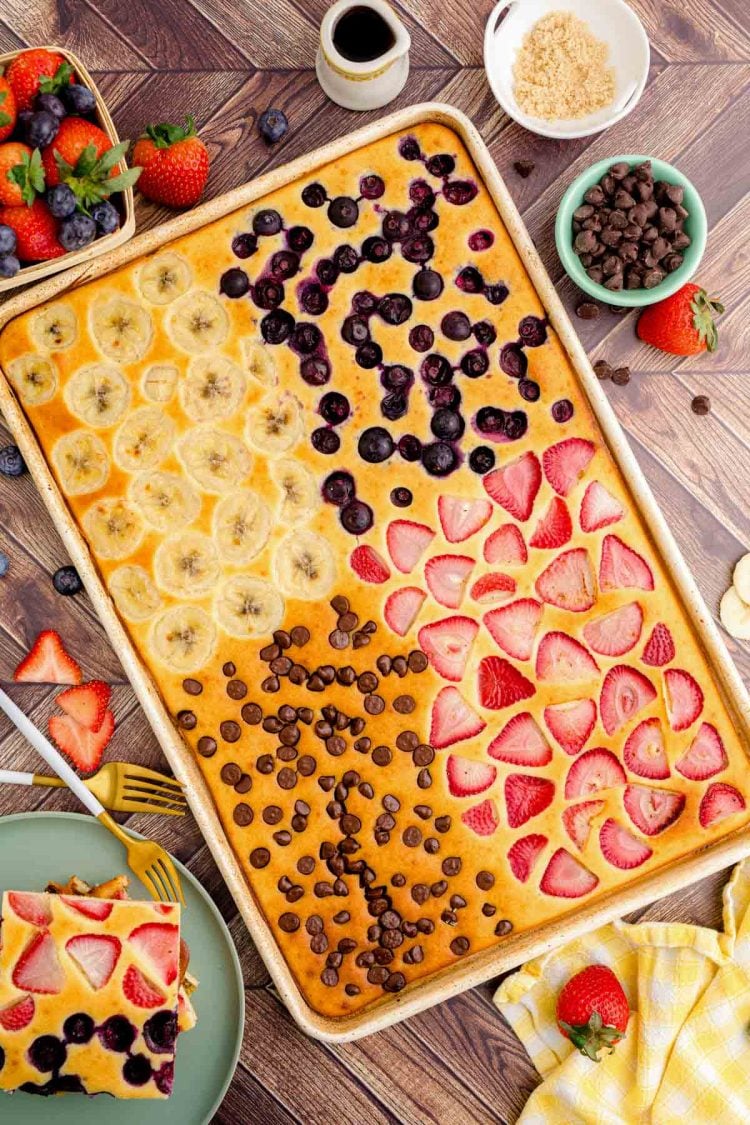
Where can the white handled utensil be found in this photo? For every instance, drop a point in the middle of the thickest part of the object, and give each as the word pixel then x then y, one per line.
pixel 120 786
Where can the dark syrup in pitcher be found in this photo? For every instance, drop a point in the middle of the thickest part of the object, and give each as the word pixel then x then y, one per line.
pixel 362 35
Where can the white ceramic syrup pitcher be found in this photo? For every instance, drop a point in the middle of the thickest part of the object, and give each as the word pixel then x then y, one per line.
pixel 371 83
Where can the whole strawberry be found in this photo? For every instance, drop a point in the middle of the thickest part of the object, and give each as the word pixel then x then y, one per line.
pixel 28 71
pixel 175 164
pixel 7 109
pixel 74 135
pixel 592 1010
pixel 35 230
pixel 682 324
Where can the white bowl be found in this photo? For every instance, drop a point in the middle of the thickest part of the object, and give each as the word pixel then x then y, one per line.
pixel 611 21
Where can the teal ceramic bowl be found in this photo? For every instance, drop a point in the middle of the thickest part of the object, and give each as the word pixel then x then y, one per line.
pixel 695 225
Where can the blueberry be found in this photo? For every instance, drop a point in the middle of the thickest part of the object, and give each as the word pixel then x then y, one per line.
pixel 316 370
pixel 396 226
pixel 325 440
pixel 395 308
pixel 459 192
pixel 441 165
pixel 369 355
pixel 410 447
pixel 532 331
pixel 481 240
pixel 421 338
pixel 244 245
pixel 76 232
pixel 355 330
pixel 160 1032
pixel 364 302
pixel 164 1078
pixel 339 488
pixel 12 463
pixel 4 564
pixel 334 407
pixel 313 299
pixel 61 201
pixel 375 445
pixel 562 410
pixel 401 497
pixel 2 1058
pixel 78 1028
pixel 491 420
pixel 117 1033
pixel 9 265
pixel 529 390
pixel 484 332
pixel 284 264
pixel 356 517
pixel 418 249
pixel 456 326
pixel 516 425
pixel 436 370
pixel 78 99
pixel 327 271
pixel 272 125
pixel 371 187
pixel 41 129
pixel 439 458
pixel 422 219
pixel 470 280
pixel 277 326
pixel 47 1053
pixel 234 283
pixel 305 338
pixel 267 293
pixel 376 249
pixel 513 361
pixel 421 194
pixel 427 285
pixel 475 363
pixel 343 211
pixel 346 259
pixel 106 216
pixel 299 239
pixel 409 148
pixel 397 377
pixel 447 424
pixel 496 294
pixel 449 396
pixel 481 459
pixel 267 222
pixel 67 581
pixel 314 195
pixel 394 405
pixel 137 1070
pixel 7 239
pixel 51 104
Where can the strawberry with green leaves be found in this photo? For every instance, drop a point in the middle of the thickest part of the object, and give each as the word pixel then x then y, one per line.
pixel 21 174
pixel 36 231
pixel 8 111
pixel 74 135
pixel 95 177
pixel 682 324
pixel 592 1011
pixel 37 71
pixel 175 164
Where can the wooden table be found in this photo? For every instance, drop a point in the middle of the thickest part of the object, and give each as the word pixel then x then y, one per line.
pixel 227 61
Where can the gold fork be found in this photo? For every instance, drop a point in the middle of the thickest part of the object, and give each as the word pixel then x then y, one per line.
pixel 119 786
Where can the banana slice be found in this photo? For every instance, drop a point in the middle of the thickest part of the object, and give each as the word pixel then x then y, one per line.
pixel 241 526
pixel 184 638
pixel 304 565
pixel 165 500
pixel 215 460
pixel 274 425
pixel 198 322
pixel 134 593
pixel 186 565
pixel 122 329
pixel 34 377
pixel 213 388
pixel 144 439
pixel 164 278
pixel 300 495
pixel 114 527
pixel 735 615
pixel 159 382
pixel 54 327
pixel 98 394
pixel 260 363
pixel 248 607
pixel 741 578
pixel 81 461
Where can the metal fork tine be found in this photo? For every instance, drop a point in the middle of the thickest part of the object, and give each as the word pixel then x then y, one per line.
pixel 142 793
pixel 174 879
pixel 141 773
pixel 158 878
pixel 149 883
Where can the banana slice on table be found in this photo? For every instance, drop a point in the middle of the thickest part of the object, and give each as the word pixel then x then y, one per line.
pixel 260 363
pixel 304 565
pixel 274 425
pixel 81 461
pixel 184 638
pixel 159 382
pixel 213 388
pixel 134 593
pixel 114 527
pixel 144 439
pixel 198 322
pixel 98 394
pixel 34 377
pixel 54 327
pixel 741 578
pixel 217 461
pixel 166 501
pixel 241 526
pixel 735 615
pixel 164 278
pixel 248 607
pixel 186 565
pixel 122 329
pixel 300 495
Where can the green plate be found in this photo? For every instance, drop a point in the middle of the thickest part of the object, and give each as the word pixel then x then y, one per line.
pixel 38 847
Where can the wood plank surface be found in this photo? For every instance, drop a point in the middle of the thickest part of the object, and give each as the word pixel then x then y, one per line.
pixel 225 62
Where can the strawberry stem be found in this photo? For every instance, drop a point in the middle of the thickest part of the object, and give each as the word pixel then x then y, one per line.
pixel 704 308
pixel 591 1037
pixel 165 135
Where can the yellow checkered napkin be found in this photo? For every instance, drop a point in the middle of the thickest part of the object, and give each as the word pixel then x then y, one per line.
pixel 686 1055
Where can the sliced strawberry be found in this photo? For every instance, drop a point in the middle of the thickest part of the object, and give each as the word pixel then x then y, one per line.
pixel 595 770
pixel 568 581
pixel 32 906
pixel 407 542
pixel 139 991
pixel 620 847
pixel 506 547
pixel 554 528
pixel 561 658
pixel 482 818
pixel 599 508
pixel 38 969
pixel 577 821
pixel 501 684
pixel 514 486
pixel 96 955
pixel 526 796
pixel 466 776
pixel 705 756
pixel 615 633
pixel 48 663
pixel 460 518
pixel 87 703
pixel 718 802
pixel 565 463
pixel 491 588
pixel 447 643
pixel 652 810
pixel 684 698
pixel 513 627
pixel 625 692
pixel 97 909
pixel 368 565
pixel 523 855
pixel 159 943
pixel 446 577
pixel 521 742
pixel 402 609
pixel 659 648
pixel 83 747
pixel 622 568
pixel 645 753
pixel 571 724
pixel 453 719
pixel 566 877
pixel 17 1015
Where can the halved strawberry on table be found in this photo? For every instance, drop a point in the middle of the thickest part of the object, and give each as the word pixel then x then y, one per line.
pixel 84 747
pixel 86 703
pixel 48 662
pixel 524 854
pixel 460 518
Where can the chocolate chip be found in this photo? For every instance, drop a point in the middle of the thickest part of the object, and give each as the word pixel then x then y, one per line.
pixel 359 640
pixel 319 943
pixel 587 310
pixel 350 824
pixel 426 926
pixel 366 790
pixel 524 168
pixel 378 974
pixel 252 714
pixel 286 753
pixel 384 664
pixel 442 823
pixel 342 917
pixel 424 779
pixel 314 924
pixel 236 689
pixel 701 404
pixel 300 635
pixel 621 376
pixel 289 735
pixel 400 666
pixel 340 604
pixel 420 892
pixel 395 982
pixel 206 746
pixel 340 888
pixel 192 687
pixel 305 715
pixel 488 909
pixel 265 764
pixel 381 755
pixel 282 638
pixel 374 704
pixel 335 745
pixel 432 845
pixel 404 704
pixel 362 745
pixel 398 880
pixel 458 902
pixel 260 857
pixel 306 865
pixel 187 720
pixel 299 823
pixel 503 927
pixel 230 730
pixel 245 784
pixel 424 755
pixel 326 782
pixel 272 724
pixel 297 674
pixel 348 622
pixel 270 652
pixel 242 814
pixel 270 684
pixel 281 666
pixel 295 894
pixel 459 946
pixel 229 668
pixel 282 837
pixel 346 675
pixel 230 773
pixel 322 889
pixel 602 369
pixel 286 778
pixel 412 836
pixel 367 682
pixel 329 977
pixel 485 880
pixel 417 661
pixel 451 865
pixel 272 814
pixel 338 639
pixel 438 888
